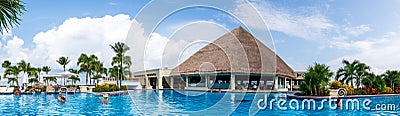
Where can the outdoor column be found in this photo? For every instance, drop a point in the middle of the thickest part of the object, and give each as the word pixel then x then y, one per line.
pixel 291 84
pixel 171 84
pixel 232 82
pixel 276 82
pixel 207 81
pixel 147 82
pixel 284 83
pixel 159 82
pixel 187 81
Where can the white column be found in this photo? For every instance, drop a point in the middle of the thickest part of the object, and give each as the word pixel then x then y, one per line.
pixel 284 84
pixel 187 81
pixel 232 82
pixel 147 82
pixel 276 82
pixel 207 81
pixel 171 84
pixel 291 84
pixel 159 83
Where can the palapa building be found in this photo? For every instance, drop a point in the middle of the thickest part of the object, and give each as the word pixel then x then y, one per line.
pixel 235 61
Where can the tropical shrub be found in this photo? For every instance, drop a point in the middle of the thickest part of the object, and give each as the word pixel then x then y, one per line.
pixel 360 92
pixel 315 80
pixel 388 90
pixel 335 85
pixel 108 88
pixel 374 84
pixel 349 89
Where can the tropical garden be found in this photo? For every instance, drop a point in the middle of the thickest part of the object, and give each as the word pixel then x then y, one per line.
pixel 355 77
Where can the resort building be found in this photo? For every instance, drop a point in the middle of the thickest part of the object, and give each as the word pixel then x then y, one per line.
pixel 153 79
pixel 234 62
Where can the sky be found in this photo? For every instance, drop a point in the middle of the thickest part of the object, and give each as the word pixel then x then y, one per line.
pixel 301 32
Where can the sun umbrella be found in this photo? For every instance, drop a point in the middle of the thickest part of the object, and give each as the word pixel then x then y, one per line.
pixel 25 78
pixel 66 74
pixel 40 78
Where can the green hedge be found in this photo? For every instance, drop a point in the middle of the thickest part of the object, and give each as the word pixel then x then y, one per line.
pixel 108 88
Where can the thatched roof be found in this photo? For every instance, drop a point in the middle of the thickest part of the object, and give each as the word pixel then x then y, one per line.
pixel 234 52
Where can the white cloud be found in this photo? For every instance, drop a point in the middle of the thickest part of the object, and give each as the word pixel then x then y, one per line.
pixel 358 30
pixel 112 3
pixel 14 49
pixel 380 53
pixel 310 27
pixel 6 34
pixel 73 36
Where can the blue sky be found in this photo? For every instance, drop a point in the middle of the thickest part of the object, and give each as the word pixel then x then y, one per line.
pixel 303 32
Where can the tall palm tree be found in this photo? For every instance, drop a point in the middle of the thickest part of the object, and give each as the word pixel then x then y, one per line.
pixel 121 60
pixel 392 77
pixel 315 79
pixel 348 72
pixel 63 61
pixel 99 70
pixel 46 69
pixel 6 64
pixel 26 67
pixel 10 11
pixel 74 78
pixel 13 70
pixel 361 72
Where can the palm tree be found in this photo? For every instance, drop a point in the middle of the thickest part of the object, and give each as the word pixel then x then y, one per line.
pixel 84 62
pixel 33 80
pixel 51 79
pixel 13 70
pixel 27 68
pixel 392 77
pixel 120 59
pixel 315 79
pixel 6 64
pixel 113 72
pixel 63 61
pixel 374 81
pixel 74 78
pixel 10 11
pixel 361 72
pixel 46 69
pixel 348 72
pixel 99 70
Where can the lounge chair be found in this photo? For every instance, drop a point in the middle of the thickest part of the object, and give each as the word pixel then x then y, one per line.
pixel 10 90
pixel 3 89
pixel 50 89
pixel 83 88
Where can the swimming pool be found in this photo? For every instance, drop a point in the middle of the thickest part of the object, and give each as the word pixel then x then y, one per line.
pixel 167 102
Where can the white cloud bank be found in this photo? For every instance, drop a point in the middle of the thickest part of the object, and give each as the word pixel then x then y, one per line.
pixel 73 36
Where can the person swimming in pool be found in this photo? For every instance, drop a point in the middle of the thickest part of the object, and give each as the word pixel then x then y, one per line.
pixel 61 98
pixel 105 99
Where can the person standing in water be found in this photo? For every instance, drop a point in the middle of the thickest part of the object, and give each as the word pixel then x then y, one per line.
pixel 105 98
pixel 61 98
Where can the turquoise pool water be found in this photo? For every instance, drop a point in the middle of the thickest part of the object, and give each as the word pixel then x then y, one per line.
pixel 169 102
